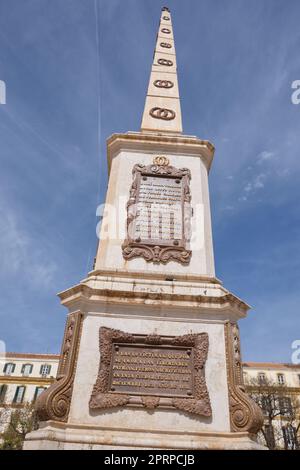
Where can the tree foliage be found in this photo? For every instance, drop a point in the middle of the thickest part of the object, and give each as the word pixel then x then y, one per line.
pixel 20 421
pixel 281 410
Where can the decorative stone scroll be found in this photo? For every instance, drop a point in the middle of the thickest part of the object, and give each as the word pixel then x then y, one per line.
pixel 54 403
pixel 245 414
pixel 152 371
pixel 159 214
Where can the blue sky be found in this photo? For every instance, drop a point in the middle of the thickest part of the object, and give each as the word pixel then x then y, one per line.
pixel 63 61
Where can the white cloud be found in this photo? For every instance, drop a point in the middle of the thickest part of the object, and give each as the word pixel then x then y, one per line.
pixel 264 156
pixel 22 254
pixel 258 182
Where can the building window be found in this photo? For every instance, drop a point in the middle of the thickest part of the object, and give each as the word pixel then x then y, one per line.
pixel 280 378
pixel 3 390
pixel 26 369
pixel 45 369
pixel 261 378
pixel 38 391
pixel 285 406
pixel 290 437
pixel 9 368
pixel 19 395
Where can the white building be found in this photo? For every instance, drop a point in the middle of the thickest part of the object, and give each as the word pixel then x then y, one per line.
pixel 22 378
pixel 282 374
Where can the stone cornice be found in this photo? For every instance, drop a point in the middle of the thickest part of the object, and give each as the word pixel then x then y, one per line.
pixel 155 276
pixel 14 355
pixel 19 379
pixel 202 296
pixel 183 145
pixel 285 389
pixel 270 365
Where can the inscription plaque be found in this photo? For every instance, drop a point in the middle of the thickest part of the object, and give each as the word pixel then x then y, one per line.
pixel 162 371
pixel 159 209
pixel 158 214
pixel 152 371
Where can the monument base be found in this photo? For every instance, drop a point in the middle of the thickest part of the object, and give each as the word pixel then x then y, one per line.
pixel 60 436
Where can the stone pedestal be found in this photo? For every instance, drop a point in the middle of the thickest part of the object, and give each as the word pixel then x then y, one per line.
pixel 59 436
pixel 147 305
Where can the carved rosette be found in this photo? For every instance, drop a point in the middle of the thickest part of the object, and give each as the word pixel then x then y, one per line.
pixel 245 414
pixel 157 251
pixel 102 396
pixel 54 403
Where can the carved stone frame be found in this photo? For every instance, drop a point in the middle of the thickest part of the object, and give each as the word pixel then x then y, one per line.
pixel 162 251
pixel 102 397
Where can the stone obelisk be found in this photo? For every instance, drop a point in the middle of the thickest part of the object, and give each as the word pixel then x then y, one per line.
pixel 151 353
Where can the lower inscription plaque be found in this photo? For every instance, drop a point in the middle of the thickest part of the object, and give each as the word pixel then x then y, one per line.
pixel 152 371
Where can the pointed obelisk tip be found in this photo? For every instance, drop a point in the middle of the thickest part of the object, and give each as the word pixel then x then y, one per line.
pixel 162 113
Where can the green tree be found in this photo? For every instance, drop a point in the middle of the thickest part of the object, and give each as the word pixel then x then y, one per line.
pixel 20 422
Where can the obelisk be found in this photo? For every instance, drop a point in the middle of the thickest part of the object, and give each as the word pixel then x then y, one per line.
pixel 151 352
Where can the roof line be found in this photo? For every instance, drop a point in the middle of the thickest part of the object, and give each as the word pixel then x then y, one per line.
pixel 30 355
pixel 271 364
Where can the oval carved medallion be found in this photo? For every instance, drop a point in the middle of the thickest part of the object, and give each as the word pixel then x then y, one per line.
pixel 166 62
pixel 166 30
pixel 161 160
pixel 162 113
pixel 167 45
pixel 163 83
